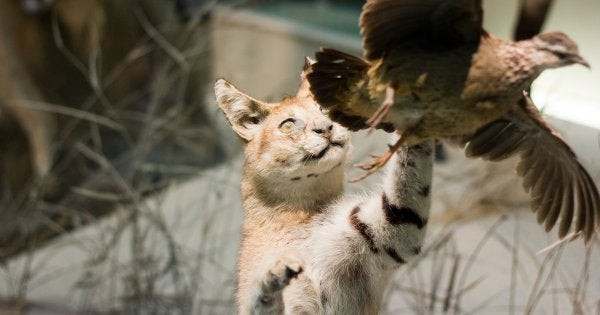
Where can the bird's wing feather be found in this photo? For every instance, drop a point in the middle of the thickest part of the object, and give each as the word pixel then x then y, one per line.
pixel 433 24
pixel 338 82
pixel 560 187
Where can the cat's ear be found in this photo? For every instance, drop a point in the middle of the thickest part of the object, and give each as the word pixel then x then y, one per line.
pixel 304 89
pixel 244 113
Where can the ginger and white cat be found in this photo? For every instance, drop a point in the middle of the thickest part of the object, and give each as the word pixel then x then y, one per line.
pixel 307 248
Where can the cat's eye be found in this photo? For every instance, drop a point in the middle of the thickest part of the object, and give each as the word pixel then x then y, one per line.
pixel 288 125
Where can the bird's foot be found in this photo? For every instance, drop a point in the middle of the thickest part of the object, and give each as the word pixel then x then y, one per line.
pixel 378 161
pixel 383 109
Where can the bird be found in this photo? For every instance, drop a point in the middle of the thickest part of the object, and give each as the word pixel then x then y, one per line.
pixel 430 71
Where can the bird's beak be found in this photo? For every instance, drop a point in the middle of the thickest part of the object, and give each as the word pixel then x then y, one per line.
pixel 581 61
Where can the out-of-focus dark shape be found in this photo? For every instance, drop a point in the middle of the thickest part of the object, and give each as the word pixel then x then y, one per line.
pixel 184 8
pixel 440 152
pixel 532 16
pixel 36 6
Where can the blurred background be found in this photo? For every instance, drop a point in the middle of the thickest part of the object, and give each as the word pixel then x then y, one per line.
pixel 119 179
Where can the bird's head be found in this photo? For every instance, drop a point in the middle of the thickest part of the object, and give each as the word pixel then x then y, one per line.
pixel 558 50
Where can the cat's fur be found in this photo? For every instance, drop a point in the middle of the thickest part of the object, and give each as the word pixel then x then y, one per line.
pixel 307 248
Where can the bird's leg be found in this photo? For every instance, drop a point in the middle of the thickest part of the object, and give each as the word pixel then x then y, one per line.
pixel 383 109
pixel 378 161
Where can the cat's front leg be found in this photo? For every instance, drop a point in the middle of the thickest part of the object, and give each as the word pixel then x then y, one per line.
pixel 268 295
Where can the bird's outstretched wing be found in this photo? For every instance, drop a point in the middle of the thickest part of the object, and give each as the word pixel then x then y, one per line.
pixel 558 183
pixel 339 83
pixel 431 24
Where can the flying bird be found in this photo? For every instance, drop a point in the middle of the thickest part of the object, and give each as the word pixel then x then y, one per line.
pixel 430 71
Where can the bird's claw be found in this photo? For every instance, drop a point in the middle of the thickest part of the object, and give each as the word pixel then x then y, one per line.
pixel 378 161
pixel 372 166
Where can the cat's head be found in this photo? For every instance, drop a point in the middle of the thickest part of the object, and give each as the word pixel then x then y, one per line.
pixel 292 140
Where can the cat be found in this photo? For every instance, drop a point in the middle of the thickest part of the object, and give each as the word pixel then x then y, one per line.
pixel 306 247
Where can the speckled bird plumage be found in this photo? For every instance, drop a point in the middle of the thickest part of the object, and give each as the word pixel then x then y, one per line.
pixel 431 71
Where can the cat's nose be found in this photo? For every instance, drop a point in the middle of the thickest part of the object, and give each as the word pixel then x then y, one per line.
pixel 323 128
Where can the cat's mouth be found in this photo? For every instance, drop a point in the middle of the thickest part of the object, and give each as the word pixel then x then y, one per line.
pixel 318 156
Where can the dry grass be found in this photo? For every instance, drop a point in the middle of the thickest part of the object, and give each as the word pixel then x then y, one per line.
pixel 486 254
pixel 131 148
pixel 511 278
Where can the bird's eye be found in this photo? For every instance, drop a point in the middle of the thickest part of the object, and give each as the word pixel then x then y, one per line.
pixel 562 55
pixel 287 125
